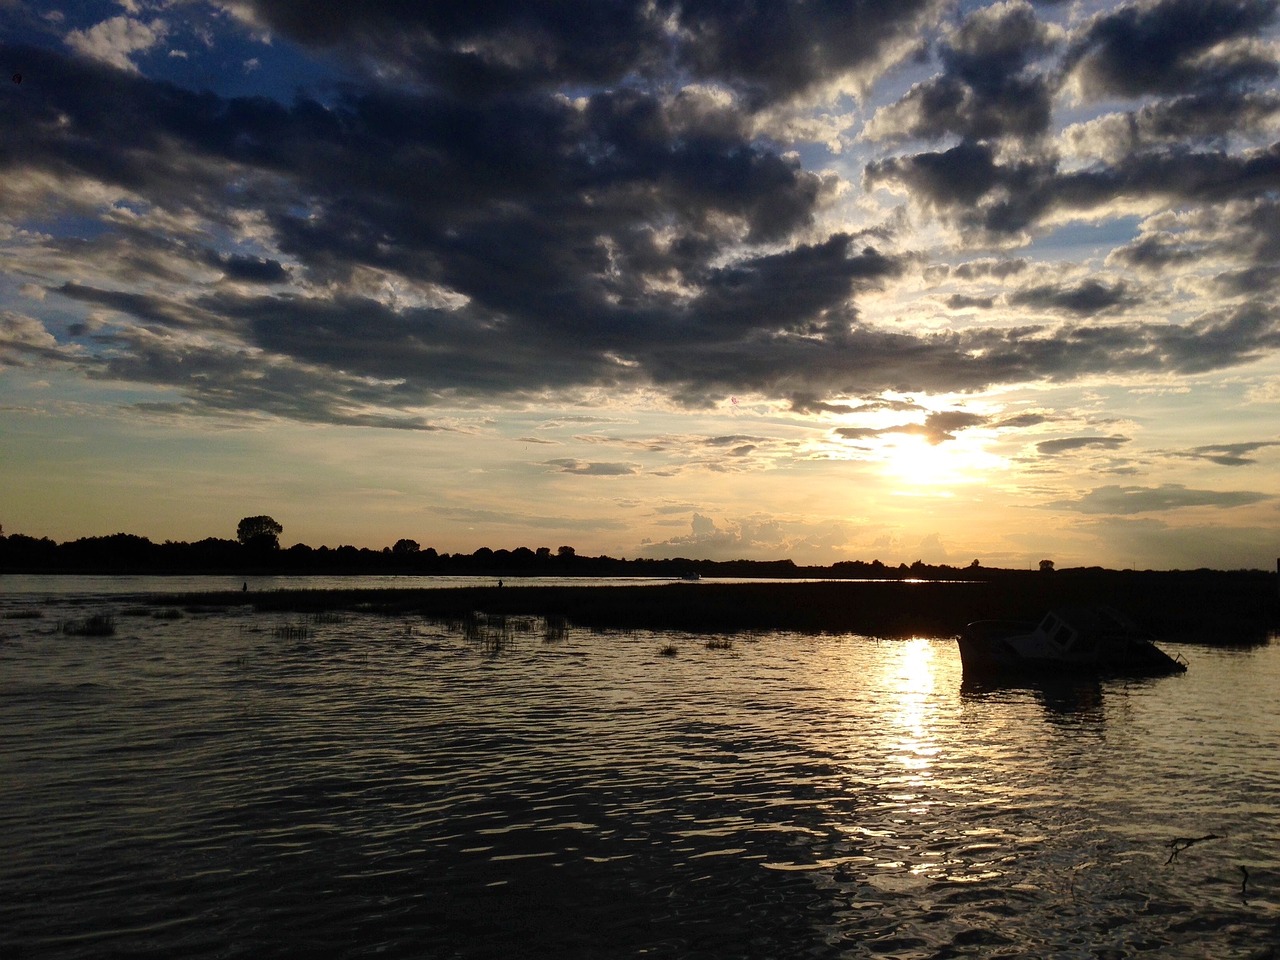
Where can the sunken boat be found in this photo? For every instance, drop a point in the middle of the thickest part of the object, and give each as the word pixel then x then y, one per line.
pixel 1090 640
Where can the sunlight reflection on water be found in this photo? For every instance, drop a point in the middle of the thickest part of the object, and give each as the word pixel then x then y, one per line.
pixel 218 786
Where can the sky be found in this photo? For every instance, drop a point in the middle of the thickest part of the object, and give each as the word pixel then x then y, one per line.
pixel 872 279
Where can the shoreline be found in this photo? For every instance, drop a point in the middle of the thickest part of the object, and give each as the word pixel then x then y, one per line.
pixel 1235 613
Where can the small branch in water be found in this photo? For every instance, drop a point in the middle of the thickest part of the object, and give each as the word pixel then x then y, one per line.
pixel 1181 843
pixel 1244 884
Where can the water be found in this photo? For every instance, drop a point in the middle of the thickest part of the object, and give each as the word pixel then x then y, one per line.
pixel 109 585
pixel 221 786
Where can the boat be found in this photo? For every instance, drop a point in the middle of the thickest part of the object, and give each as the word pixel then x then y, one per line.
pixel 691 577
pixel 1095 640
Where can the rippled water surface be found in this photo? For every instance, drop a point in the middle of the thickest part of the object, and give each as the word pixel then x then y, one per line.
pixel 232 784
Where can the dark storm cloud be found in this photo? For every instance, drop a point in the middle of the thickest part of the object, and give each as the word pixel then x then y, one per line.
pixel 969 186
pixel 614 238
pixel 245 269
pixel 1151 253
pixel 1171 47
pixel 485 48
pixel 1118 500
pixel 220 380
pixel 985 89
pixel 1052 448
pixel 422 356
pixel 1206 74
pixel 1203 115
pixel 798 285
pixel 418 184
pixel 1085 298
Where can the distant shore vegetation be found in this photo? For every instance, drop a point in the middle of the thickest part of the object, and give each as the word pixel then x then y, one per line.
pixel 257 551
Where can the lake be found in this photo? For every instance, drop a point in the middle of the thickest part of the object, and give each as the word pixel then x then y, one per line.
pixel 108 585
pixel 238 784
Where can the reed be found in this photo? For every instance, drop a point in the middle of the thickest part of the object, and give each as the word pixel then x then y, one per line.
pixel 555 626
pixel 719 643
pixel 670 650
pixel 98 625
pixel 494 632
pixel 291 631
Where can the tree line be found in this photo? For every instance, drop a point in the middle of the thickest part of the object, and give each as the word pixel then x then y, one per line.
pixel 256 549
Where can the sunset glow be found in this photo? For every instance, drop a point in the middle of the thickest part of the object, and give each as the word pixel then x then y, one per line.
pixel 941 281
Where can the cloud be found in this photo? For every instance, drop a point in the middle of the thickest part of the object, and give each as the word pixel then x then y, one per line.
pixel 487 50
pixel 588 468
pixel 1172 46
pixel 1124 501
pixel 936 428
pixel 1053 448
pixel 246 269
pixel 25 340
pixel 504 519
pixel 759 537
pixel 979 190
pixel 961 301
pixel 1021 421
pixel 399 245
pixel 1201 118
pixel 985 89
pixel 997 269
pixel 114 41
pixel 1086 298
pixel 1229 454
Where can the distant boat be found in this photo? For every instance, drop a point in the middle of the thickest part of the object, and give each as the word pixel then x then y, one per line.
pixel 690 576
pixel 1069 640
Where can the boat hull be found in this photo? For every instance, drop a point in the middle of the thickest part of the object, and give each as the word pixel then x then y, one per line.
pixel 994 648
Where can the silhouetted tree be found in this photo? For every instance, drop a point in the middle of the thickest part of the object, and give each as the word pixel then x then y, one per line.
pixel 566 552
pixel 1046 566
pixel 406 546
pixel 260 533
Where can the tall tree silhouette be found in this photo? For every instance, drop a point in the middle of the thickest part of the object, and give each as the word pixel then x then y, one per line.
pixel 259 533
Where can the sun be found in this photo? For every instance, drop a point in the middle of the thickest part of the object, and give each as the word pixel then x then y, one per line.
pixel 915 462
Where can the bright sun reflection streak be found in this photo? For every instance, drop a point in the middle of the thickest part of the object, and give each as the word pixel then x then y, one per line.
pixel 909 680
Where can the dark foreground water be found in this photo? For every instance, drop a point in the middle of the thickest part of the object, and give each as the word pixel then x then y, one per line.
pixel 217 786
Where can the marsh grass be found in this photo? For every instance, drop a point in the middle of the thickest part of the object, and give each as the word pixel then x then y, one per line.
pixel 554 627
pixel 324 617
pixel 24 615
pixel 136 612
pixel 719 643
pixel 291 631
pixel 169 613
pixel 493 632
pixel 98 625
pixel 670 650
